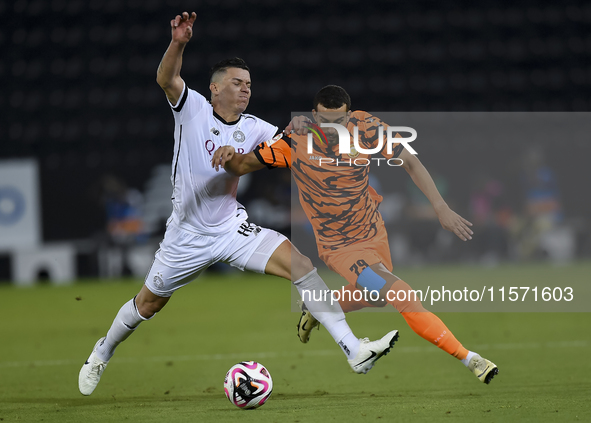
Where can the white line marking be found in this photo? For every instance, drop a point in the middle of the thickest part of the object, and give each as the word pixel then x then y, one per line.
pixel 276 354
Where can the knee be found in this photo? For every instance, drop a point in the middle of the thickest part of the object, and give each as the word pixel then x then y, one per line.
pixel 147 308
pixel 300 265
pixel 377 299
pixel 375 286
pixel 406 300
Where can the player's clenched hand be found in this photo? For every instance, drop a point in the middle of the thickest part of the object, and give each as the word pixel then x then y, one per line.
pixel 182 27
pixel 221 156
pixel 455 223
pixel 299 125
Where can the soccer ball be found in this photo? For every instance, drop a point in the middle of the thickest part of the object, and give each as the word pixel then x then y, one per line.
pixel 248 385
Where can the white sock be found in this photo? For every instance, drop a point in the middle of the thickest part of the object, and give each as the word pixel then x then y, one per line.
pixel 317 298
pixel 466 360
pixel 126 321
pixel 349 344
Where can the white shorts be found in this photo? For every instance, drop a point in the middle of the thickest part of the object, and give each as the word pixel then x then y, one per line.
pixel 183 255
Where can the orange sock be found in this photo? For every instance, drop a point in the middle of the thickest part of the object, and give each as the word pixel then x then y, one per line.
pixel 425 324
pixel 430 327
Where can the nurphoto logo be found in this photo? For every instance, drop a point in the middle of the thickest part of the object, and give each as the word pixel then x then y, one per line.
pixel 353 149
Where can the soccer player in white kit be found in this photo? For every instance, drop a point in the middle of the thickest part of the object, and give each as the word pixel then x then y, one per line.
pixel 207 224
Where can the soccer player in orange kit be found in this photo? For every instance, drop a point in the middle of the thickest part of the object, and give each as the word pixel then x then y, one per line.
pixel 343 210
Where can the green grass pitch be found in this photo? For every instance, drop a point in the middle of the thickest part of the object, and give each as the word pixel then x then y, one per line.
pixel 172 368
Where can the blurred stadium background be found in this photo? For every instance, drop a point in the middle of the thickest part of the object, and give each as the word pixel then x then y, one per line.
pixel 84 120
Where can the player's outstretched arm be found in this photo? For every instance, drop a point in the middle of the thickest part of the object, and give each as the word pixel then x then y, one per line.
pixel 449 219
pixel 298 125
pixel 169 71
pixel 235 163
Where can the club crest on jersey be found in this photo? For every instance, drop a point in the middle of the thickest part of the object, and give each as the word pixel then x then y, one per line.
pixel 353 153
pixel 215 131
pixel 239 136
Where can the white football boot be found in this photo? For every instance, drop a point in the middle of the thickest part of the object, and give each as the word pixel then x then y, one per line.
pixel 91 371
pixel 372 351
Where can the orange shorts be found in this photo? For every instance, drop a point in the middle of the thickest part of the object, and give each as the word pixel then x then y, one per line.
pixel 350 261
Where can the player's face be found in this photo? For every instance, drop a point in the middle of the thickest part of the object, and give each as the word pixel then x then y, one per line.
pixel 325 115
pixel 233 91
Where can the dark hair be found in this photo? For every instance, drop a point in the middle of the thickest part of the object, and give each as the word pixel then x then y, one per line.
pixel 332 97
pixel 222 66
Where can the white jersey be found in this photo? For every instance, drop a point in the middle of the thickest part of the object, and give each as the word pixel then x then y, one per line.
pixel 204 201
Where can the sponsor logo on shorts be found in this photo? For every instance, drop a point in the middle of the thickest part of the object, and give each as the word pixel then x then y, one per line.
pixel 249 228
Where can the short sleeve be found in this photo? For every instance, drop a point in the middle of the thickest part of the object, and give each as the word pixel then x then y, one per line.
pixel 266 131
pixel 190 103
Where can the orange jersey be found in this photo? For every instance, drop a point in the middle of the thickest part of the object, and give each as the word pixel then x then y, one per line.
pixel 336 197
